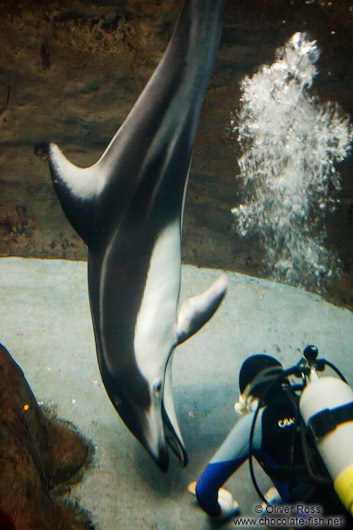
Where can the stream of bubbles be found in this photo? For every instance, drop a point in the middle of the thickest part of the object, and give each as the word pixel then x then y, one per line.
pixel 290 143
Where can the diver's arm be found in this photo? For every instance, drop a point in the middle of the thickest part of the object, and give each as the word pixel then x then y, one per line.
pixel 229 457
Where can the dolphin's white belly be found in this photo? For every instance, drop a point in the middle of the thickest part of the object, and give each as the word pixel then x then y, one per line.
pixel 155 330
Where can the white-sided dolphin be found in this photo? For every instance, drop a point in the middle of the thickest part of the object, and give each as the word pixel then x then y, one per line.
pixel 128 208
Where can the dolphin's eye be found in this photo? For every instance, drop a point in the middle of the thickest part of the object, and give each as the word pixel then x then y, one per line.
pixel 157 387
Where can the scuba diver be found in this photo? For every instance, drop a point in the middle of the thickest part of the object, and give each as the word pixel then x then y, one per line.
pixel 287 428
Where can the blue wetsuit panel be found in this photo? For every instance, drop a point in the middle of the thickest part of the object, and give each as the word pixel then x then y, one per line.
pixel 229 457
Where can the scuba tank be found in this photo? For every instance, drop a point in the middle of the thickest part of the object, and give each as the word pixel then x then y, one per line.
pixel 326 406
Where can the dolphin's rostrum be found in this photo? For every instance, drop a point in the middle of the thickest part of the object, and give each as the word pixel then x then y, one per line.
pixel 128 208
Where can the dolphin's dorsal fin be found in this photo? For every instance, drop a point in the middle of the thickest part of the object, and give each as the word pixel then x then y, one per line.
pixel 77 189
pixel 197 310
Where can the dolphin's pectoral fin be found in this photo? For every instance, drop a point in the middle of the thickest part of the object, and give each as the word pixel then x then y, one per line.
pixel 77 189
pixel 197 310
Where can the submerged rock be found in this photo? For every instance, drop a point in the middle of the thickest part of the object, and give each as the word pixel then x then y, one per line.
pixel 36 454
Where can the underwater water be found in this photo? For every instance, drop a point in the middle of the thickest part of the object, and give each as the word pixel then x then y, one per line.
pixel 74 93
pixel 290 145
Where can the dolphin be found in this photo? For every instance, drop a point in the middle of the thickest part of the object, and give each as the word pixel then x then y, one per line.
pixel 128 208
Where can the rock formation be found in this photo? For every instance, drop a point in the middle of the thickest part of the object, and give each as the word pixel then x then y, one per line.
pixel 36 454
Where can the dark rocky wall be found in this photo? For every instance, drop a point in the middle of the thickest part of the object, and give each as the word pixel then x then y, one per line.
pixel 70 70
pixel 37 453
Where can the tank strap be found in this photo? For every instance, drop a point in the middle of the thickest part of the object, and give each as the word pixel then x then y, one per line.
pixel 327 420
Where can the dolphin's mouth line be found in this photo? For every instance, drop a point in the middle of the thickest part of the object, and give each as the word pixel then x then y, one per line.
pixel 173 440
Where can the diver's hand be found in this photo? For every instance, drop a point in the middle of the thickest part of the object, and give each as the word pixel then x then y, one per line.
pixel 229 507
pixel 273 497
